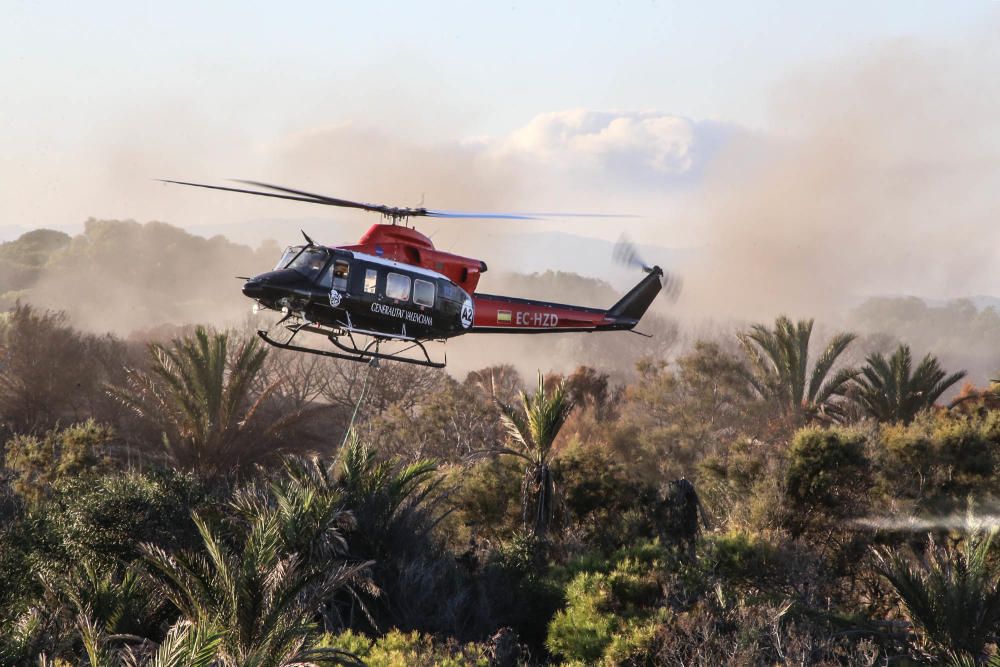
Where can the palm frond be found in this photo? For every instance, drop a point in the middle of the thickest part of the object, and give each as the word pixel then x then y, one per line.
pixel 778 359
pixel 825 364
pixel 953 596
pixel 188 644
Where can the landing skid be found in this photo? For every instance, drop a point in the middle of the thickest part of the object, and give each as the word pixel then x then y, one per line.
pixel 370 353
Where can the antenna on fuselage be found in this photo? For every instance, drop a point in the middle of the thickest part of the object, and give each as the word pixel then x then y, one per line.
pixel 308 240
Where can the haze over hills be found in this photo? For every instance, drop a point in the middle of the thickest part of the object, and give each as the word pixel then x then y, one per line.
pixel 122 276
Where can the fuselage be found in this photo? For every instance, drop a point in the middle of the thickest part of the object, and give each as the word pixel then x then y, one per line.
pixel 395 284
pixel 356 291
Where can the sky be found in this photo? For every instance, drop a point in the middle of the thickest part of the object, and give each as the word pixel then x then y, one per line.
pixel 686 114
pixel 457 67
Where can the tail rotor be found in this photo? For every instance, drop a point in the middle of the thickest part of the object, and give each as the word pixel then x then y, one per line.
pixel 626 254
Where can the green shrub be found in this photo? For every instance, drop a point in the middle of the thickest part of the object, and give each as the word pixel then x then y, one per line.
pixel 747 564
pixel 586 626
pixel 746 470
pixel 517 587
pixel 650 554
pixel 594 483
pixel 939 459
pixel 611 616
pixel 107 518
pixel 488 496
pixel 739 556
pixel 604 501
pixel 404 649
pixel 906 459
pixel 38 462
pixel 963 447
pixel 522 554
pixel 634 644
pixel 827 473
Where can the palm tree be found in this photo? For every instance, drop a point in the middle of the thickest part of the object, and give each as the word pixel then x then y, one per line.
pixel 533 430
pixel 391 490
pixel 259 597
pixel 890 390
pixel 186 645
pixel 199 394
pixel 952 596
pixel 390 500
pixel 117 600
pixel 310 523
pixel 779 361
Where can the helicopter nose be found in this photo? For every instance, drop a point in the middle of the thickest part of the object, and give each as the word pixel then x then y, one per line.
pixel 254 288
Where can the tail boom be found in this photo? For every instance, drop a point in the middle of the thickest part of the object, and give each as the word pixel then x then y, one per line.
pixel 504 314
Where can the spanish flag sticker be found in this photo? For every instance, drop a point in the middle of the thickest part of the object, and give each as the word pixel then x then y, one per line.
pixel 503 316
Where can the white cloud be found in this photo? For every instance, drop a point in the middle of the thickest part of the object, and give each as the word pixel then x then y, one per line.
pixel 655 141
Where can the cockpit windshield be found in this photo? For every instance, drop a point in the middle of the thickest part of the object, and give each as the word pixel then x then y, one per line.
pixel 287 256
pixel 310 262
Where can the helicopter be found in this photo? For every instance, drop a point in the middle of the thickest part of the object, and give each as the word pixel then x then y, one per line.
pixel 392 292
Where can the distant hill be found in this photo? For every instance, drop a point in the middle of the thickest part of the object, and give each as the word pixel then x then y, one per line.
pixel 122 275
pixel 11 232
pixel 23 260
pixel 963 333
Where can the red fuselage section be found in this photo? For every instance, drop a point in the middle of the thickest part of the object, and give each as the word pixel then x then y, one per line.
pixel 504 314
pixel 408 246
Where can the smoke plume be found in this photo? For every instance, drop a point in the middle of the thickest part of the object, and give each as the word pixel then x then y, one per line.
pixel 879 176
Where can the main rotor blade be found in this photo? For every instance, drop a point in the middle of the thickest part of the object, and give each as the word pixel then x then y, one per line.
pixel 282 192
pixel 389 210
pixel 455 215
pixel 249 192
pixel 334 201
pixel 433 213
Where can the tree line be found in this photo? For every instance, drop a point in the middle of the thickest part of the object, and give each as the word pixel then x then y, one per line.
pixel 198 499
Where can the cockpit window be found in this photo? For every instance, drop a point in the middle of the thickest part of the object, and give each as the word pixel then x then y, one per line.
pixel 310 262
pixel 340 269
pixel 287 256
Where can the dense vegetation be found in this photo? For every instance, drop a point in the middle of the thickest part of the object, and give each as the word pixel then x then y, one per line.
pixel 753 498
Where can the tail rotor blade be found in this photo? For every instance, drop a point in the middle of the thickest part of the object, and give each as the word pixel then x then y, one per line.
pixel 672 284
pixel 625 253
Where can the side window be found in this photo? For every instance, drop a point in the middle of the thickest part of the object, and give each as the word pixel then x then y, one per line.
pixel 340 271
pixel 397 286
pixel 423 293
pixel 371 277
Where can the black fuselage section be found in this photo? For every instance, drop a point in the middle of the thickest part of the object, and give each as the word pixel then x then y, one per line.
pixel 363 293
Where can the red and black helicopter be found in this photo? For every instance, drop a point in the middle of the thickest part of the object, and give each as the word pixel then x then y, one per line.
pixel 393 288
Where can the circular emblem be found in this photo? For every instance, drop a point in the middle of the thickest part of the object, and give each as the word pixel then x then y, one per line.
pixel 467 313
pixel 335 298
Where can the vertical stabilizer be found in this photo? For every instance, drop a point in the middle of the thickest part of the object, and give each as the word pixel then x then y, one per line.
pixel 633 305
